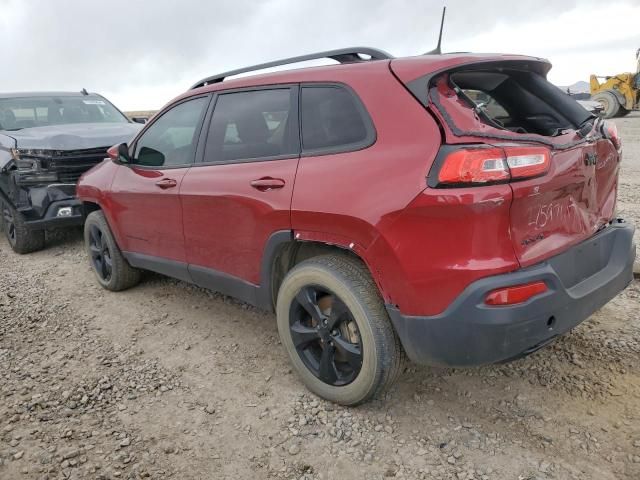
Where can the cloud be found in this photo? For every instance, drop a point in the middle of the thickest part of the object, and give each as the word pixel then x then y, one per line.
pixel 142 53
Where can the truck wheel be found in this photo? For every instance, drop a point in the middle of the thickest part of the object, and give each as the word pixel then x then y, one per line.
pixel 111 269
pixel 609 103
pixel 623 112
pixel 20 238
pixel 333 324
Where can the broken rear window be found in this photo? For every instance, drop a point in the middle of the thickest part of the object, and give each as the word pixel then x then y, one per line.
pixel 514 101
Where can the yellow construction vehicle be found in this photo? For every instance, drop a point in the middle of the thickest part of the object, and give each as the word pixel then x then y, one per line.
pixel 618 94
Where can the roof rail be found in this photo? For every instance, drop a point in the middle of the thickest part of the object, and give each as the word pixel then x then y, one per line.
pixel 342 55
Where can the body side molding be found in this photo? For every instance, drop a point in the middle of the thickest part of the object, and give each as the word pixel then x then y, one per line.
pixel 256 295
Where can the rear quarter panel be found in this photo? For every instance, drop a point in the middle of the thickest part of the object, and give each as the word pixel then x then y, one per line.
pixel 353 194
pixel 443 241
pixel 349 198
pixel 423 246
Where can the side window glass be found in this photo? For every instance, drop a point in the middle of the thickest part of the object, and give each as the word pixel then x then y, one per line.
pixel 171 141
pixel 331 119
pixel 248 125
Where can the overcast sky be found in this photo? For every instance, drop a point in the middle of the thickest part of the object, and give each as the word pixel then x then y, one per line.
pixel 140 54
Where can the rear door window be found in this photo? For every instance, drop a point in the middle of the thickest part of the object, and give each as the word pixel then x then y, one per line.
pixel 253 125
pixel 333 119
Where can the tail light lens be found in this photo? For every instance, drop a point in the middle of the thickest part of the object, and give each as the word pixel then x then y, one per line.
pixel 610 131
pixel 493 164
pixel 515 294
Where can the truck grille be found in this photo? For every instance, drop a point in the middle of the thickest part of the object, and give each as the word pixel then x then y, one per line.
pixel 71 164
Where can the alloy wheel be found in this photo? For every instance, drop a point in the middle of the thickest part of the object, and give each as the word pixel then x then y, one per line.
pixel 326 336
pixel 100 253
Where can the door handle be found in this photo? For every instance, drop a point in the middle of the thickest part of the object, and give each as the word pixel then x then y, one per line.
pixel 267 183
pixel 166 183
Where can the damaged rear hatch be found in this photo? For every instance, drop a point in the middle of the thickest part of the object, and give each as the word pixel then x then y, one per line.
pixel 560 161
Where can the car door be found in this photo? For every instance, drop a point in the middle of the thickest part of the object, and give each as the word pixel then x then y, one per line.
pixel 145 192
pixel 240 193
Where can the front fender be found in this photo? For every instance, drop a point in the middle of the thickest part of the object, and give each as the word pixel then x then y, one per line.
pixel 94 187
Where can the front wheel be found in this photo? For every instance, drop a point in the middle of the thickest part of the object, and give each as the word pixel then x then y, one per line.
pixel 20 238
pixel 333 324
pixel 109 266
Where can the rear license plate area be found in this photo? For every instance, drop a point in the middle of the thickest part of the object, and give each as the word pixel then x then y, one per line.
pixel 583 260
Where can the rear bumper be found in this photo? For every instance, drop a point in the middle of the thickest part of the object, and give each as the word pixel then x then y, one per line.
pixel 468 332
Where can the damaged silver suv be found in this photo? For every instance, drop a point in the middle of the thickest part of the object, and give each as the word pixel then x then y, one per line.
pixel 47 140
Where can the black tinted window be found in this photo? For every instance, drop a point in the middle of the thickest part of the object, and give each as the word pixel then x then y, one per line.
pixel 171 140
pixel 254 124
pixel 331 119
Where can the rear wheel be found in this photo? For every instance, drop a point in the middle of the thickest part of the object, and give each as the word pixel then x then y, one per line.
pixel 20 238
pixel 609 103
pixel 111 269
pixel 336 330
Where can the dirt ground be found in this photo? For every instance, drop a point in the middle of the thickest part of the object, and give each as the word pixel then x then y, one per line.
pixel 171 381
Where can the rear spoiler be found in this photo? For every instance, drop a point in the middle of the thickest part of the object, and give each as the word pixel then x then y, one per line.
pixel 420 86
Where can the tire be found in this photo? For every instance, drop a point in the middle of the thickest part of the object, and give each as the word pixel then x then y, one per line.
pixel 20 238
pixel 609 102
pixel 623 112
pixel 109 266
pixel 355 299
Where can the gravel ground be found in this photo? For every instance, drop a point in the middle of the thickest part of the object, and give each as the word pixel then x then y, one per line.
pixel 171 381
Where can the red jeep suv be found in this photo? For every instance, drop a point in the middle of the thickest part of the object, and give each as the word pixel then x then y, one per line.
pixel 455 208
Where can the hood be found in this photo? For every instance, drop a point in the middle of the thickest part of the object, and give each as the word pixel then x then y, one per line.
pixel 77 136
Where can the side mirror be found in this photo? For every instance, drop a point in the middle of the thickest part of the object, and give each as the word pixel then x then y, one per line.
pixel 119 153
pixel 142 120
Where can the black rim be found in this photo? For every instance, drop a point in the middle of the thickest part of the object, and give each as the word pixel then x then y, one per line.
pixel 100 253
pixel 326 336
pixel 9 225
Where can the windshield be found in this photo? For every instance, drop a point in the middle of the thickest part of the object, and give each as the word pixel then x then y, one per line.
pixel 27 112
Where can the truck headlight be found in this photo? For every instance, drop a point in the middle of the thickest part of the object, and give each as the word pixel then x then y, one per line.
pixel 30 166
pixel 27 164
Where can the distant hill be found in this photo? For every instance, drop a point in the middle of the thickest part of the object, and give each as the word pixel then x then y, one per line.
pixel 578 87
pixel 141 113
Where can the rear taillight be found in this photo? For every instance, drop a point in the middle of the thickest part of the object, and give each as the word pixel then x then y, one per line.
pixel 493 164
pixel 515 294
pixel 610 131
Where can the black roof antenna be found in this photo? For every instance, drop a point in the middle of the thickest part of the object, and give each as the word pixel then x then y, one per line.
pixel 84 91
pixel 437 50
